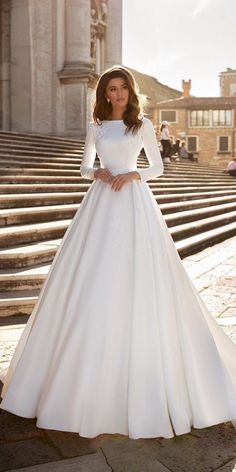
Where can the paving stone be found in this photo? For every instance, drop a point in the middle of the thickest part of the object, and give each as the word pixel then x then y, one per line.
pixel 230 331
pixel 229 467
pixel 229 312
pixel 232 260
pixel 11 333
pixel 187 453
pixel 70 444
pixel 227 321
pixel 89 463
pixel 15 454
pixel 15 428
pixel 129 455
pixel 213 275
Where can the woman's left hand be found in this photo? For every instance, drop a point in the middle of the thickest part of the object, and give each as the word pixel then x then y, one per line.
pixel 121 179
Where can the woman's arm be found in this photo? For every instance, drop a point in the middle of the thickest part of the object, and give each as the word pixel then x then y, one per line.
pixel 152 151
pixel 86 168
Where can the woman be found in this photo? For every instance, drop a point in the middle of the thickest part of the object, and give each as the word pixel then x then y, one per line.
pixel 165 141
pixel 120 341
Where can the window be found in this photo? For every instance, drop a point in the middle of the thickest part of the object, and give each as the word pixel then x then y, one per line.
pixel 223 144
pixel 200 118
pixel 221 117
pixel 192 143
pixel 210 118
pixel 168 115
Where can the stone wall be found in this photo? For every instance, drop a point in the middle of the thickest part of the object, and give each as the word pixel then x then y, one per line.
pixel 58 48
pixel 206 138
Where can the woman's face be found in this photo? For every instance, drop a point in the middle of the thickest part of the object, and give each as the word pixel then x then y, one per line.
pixel 118 92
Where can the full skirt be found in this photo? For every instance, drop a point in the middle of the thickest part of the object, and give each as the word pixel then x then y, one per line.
pixel 119 340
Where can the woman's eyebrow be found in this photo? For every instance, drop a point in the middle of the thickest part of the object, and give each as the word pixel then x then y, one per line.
pixel 111 86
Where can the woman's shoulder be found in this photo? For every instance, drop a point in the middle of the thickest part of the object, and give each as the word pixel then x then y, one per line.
pixel 147 122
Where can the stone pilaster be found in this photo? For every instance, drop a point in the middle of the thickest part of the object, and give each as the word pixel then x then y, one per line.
pixel 113 39
pixel 21 65
pixel 77 71
pixel 5 65
pixel 42 19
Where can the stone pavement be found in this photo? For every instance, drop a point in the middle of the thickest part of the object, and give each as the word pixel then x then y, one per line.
pixel 26 448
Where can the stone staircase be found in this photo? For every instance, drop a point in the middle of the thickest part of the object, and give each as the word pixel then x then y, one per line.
pixel 41 189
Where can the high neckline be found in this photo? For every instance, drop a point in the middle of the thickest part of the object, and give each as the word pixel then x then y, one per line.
pixel 113 120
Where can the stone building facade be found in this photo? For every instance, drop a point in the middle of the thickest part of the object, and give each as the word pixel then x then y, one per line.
pixel 207 124
pixel 228 83
pixel 51 54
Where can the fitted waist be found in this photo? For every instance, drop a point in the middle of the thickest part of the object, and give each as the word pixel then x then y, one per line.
pixel 121 170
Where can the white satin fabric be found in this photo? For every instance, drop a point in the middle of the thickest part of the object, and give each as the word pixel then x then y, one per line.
pixel 119 340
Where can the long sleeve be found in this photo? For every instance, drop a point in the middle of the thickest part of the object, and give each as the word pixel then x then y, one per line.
pixel 153 154
pixel 86 168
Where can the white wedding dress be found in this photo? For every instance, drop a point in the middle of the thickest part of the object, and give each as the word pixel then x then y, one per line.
pixel 119 340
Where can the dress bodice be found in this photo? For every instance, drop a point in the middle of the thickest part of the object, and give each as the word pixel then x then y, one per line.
pixel 118 151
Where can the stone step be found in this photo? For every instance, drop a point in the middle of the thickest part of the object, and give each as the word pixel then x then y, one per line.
pixel 14 205
pixel 24 278
pixel 38 214
pixel 38 171
pixel 30 189
pixel 39 179
pixel 12 236
pixel 38 200
pixel 65 160
pixel 75 154
pixel 172 219
pixel 23 256
pixel 40 231
pixel 59 161
pixel 14 163
pixel 34 179
pixel 59 212
pixel 59 170
pixel 44 251
pixel 13 303
pixel 192 228
pixel 31 164
pixel 28 144
pixel 198 242
pixel 162 188
pixel 40 152
pixel 41 189
pixel 34 137
pixel 192 204
pixel 33 277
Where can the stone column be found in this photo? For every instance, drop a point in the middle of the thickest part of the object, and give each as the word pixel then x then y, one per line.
pixel 21 65
pixel 77 15
pixel 77 71
pixel 5 65
pixel 113 54
pixel 42 23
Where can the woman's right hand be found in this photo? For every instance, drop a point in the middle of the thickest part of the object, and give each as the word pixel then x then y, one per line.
pixel 104 175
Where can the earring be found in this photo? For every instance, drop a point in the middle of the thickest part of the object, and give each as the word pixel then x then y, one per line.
pixel 108 100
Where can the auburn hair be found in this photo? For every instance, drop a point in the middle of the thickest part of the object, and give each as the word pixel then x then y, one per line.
pixel 132 116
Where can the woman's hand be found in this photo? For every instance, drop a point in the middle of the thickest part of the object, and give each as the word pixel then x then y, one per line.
pixel 104 175
pixel 121 179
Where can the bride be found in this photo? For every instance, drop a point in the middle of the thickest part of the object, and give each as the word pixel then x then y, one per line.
pixel 119 340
